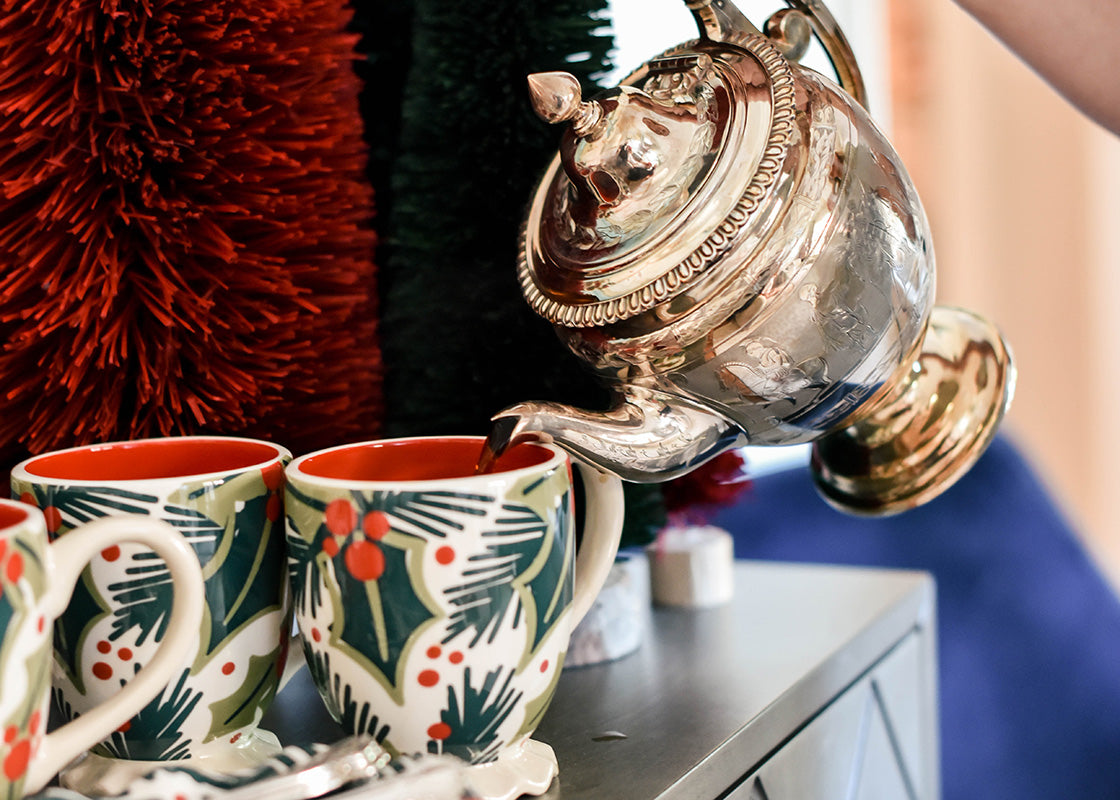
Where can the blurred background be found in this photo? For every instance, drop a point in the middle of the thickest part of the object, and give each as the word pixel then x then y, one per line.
pixel 1023 197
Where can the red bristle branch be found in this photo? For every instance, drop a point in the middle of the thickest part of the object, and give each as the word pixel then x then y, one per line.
pixel 185 224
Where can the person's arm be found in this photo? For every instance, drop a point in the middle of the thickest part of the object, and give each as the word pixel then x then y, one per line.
pixel 1073 44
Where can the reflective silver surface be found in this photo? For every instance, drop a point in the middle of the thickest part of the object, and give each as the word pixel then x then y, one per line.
pixel 731 244
pixel 921 436
pixel 347 761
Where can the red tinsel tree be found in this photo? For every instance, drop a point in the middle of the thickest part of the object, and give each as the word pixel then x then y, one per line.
pixel 185 224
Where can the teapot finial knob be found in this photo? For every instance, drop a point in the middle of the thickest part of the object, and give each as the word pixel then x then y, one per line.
pixel 556 97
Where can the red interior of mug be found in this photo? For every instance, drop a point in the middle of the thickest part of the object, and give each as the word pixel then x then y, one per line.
pixel 416 460
pixel 148 459
pixel 11 515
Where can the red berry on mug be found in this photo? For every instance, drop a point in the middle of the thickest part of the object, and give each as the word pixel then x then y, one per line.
pixel 14 569
pixel 439 731
pixel 364 560
pixel 445 555
pixel 341 518
pixel 375 525
pixel 15 764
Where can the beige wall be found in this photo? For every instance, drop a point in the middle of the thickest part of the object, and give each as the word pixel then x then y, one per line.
pixel 1022 199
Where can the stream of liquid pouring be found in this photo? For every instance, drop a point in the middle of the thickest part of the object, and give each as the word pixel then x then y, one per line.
pixel 486 459
pixel 497 442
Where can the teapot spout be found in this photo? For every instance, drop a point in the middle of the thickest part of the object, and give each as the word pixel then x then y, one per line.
pixel 647 437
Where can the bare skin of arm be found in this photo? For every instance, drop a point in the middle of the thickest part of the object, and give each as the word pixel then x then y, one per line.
pixel 1073 44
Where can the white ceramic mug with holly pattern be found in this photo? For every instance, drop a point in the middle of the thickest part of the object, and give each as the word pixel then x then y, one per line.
pixel 224 497
pixel 436 604
pixel 36 581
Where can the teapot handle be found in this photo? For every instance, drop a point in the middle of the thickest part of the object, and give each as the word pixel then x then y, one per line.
pixel 789 31
pixel 835 46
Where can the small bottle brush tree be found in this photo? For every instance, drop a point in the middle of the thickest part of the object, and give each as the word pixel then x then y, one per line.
pixel 185 223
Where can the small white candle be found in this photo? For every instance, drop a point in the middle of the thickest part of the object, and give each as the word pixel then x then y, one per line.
pixel 692 566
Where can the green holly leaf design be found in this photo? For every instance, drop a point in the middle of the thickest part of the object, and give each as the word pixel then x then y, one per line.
pixel 239 709
pixel 549 589
pixel 40 681
pixel 381 629
pixel 241 552
pixel 251 568
pixel 419 515
pixel 84 608
pixel 545 587
pixel 472 721
pixel 6 612
pixel 320 557
pixel 535 708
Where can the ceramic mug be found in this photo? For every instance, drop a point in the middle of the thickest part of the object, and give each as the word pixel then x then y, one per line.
pixel 436 604
pixel 224 496
pixel 36 580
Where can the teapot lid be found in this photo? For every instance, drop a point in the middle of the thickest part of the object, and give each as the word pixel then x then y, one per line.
pixel 655 179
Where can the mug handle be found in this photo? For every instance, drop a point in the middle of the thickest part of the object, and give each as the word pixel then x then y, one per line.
pixel 602 528
pixel 66 558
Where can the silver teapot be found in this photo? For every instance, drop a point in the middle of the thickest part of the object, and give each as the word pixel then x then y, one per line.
pixel 730 242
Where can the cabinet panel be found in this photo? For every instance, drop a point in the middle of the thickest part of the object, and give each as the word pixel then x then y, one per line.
pixel 875 741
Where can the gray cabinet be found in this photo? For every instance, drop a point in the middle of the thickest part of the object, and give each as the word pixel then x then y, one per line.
pixel 814 683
